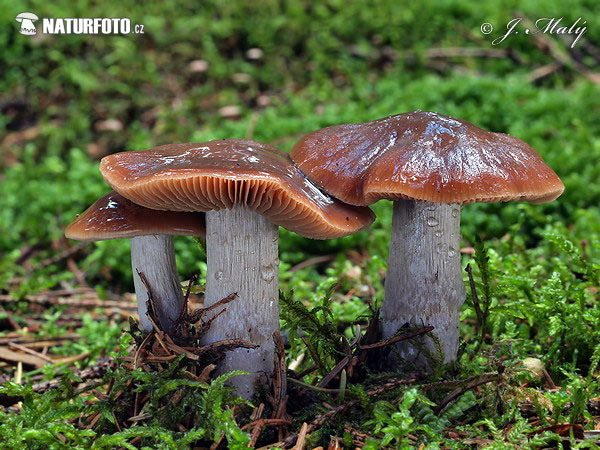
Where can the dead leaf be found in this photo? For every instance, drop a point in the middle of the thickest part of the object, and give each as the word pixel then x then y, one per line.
pixel 562 429
pixel 30 360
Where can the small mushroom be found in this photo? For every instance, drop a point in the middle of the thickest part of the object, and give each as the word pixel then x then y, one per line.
pixel 247 189
pixel 429 165
pixel 26 19
pixel 151 233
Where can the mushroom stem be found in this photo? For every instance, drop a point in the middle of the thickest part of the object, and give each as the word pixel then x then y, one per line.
pixel 154 257
pixel 424 283
pixel 242 257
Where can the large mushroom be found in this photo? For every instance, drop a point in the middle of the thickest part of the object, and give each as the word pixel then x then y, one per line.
pixel 428 164
pixel 247 189
pixel 152 255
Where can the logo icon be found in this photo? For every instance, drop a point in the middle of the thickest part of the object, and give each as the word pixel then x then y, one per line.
pixel 27 26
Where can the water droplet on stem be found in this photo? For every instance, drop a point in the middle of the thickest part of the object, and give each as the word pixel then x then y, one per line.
pixel 432 222
pixel 267 273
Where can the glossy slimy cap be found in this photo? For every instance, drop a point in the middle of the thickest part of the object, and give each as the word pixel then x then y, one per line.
pixel 225 173
pixel 113 217
pixel 424 156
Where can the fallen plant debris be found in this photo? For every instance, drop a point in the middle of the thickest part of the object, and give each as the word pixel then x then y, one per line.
pixel 160 378
pixel 77 298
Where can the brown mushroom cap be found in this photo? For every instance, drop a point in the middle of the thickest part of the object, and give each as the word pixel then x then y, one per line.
pixel 424 156
pixel 113 217
pixel 225 173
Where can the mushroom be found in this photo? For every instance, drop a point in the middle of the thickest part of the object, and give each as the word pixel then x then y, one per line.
pixel 26 19
pixel 247 189
pixel 429 165
pixel 151 233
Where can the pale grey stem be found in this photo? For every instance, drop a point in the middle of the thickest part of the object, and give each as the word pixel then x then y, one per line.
pixel 154 256
pixel 242 257
pixel 424 283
